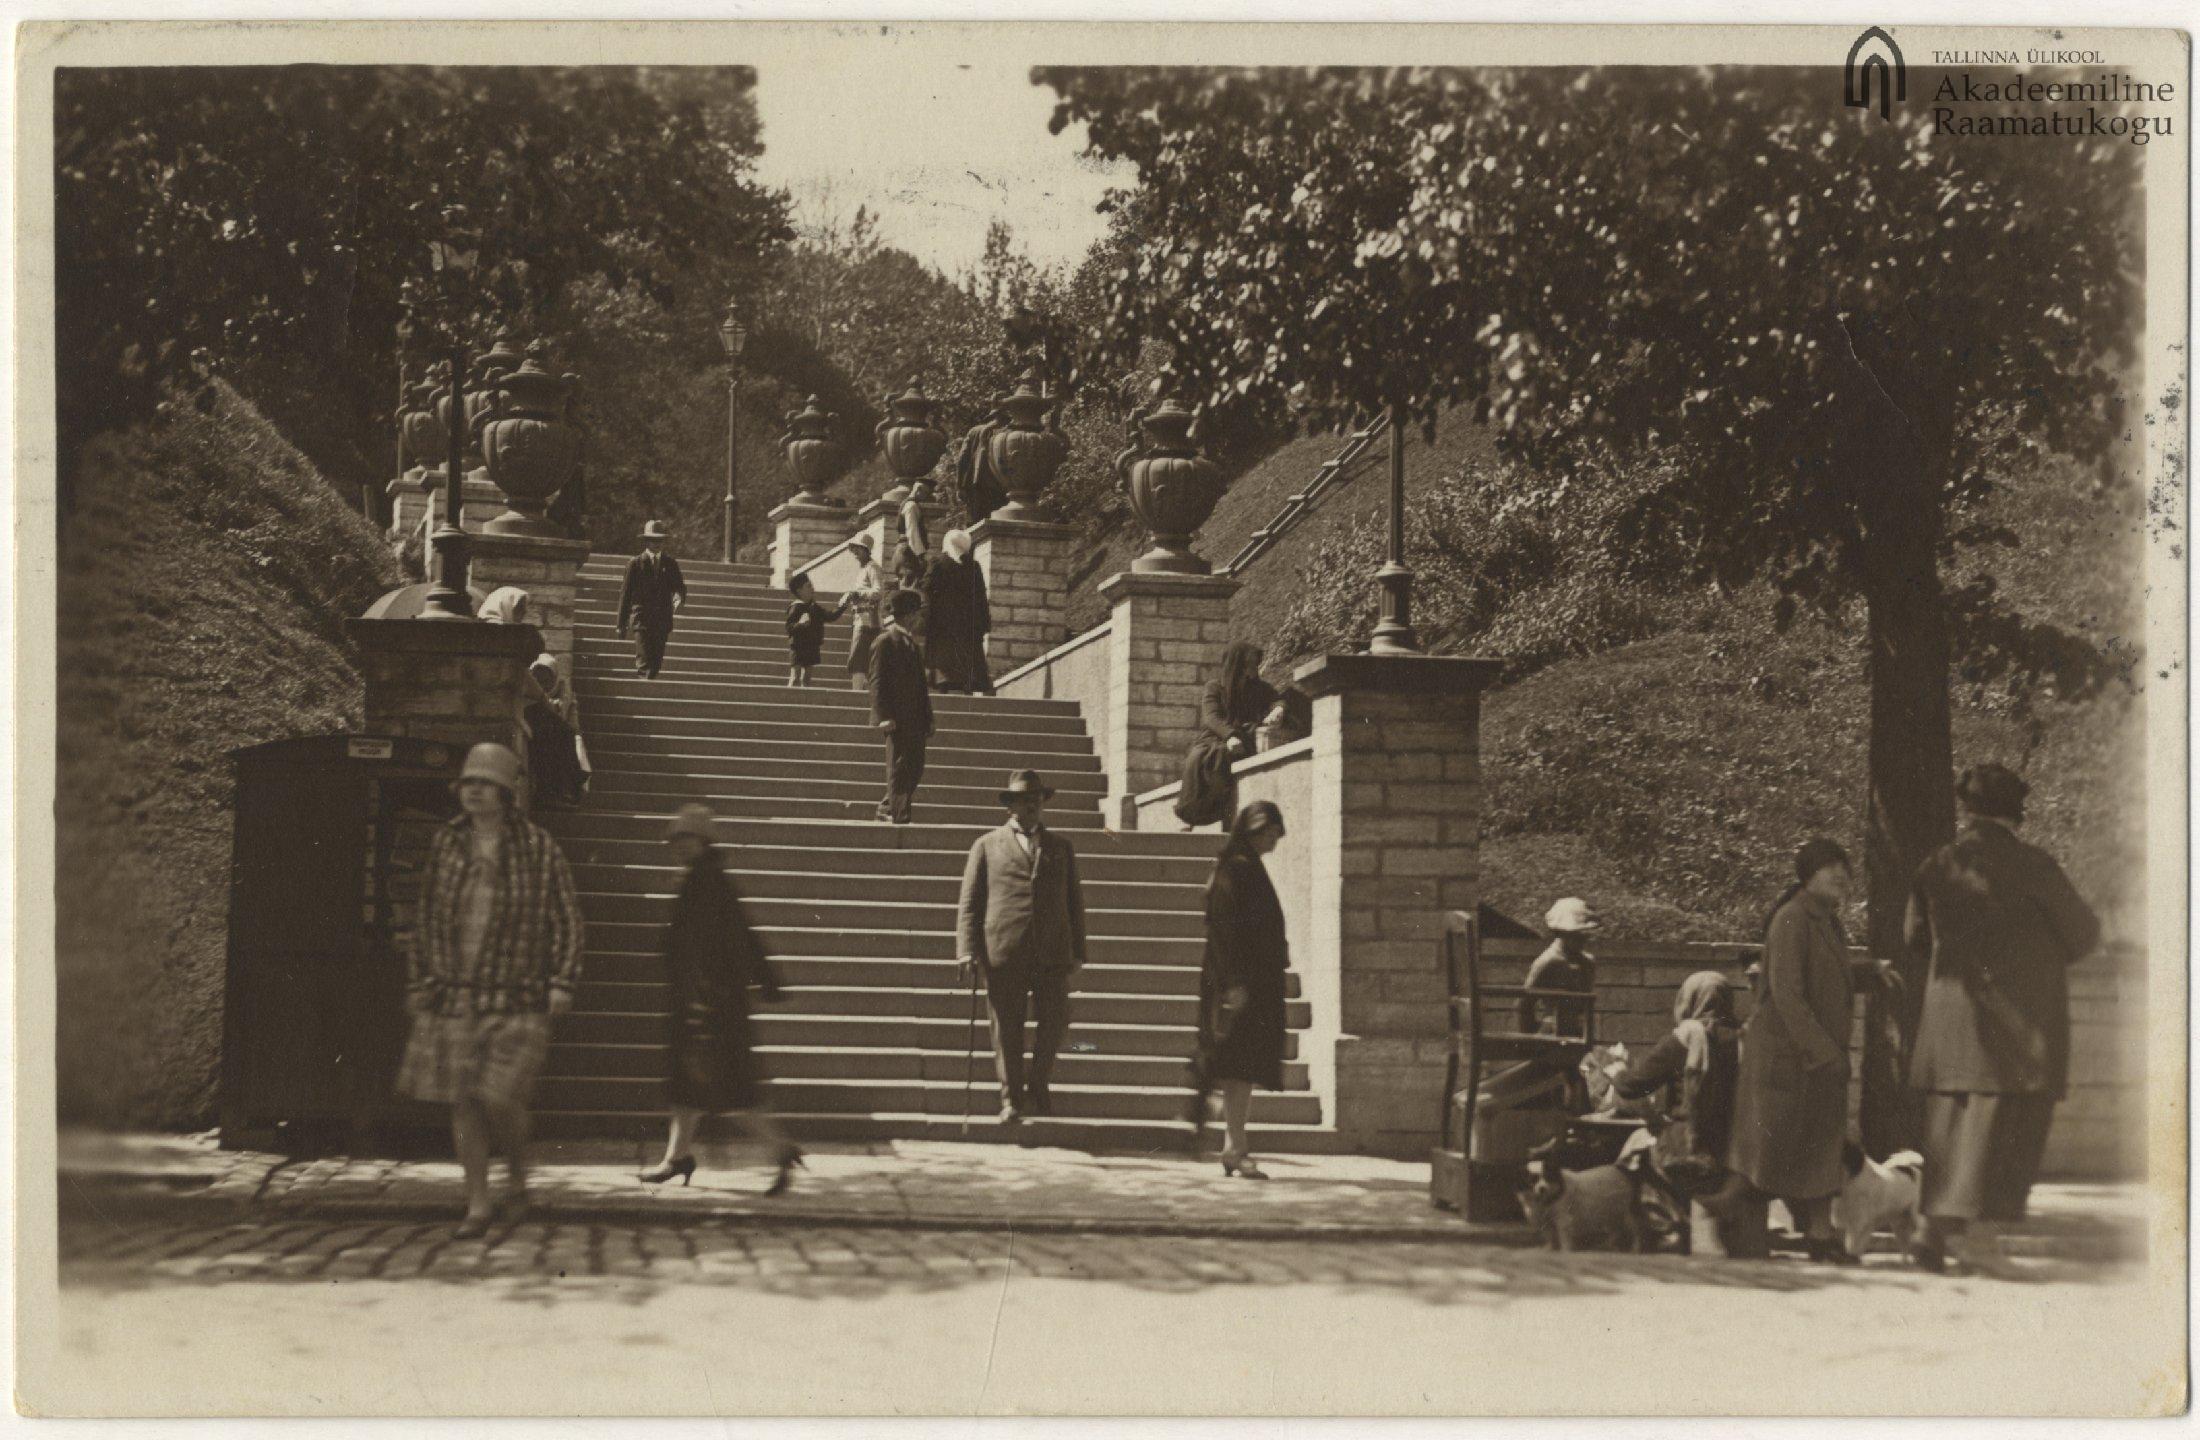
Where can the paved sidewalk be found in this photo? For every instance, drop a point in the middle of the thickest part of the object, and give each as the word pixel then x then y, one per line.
pixel 911 1186
pixel 931 1185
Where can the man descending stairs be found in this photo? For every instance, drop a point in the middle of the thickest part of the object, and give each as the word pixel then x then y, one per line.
pixel 859 916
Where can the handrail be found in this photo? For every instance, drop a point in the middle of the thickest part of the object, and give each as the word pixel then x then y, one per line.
pixel 1338 470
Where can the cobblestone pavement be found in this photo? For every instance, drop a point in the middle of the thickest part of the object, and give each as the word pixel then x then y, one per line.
pixel 692 1315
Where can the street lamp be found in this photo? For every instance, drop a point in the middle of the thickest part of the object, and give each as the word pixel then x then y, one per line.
pixel 733 337
pixel 1394 630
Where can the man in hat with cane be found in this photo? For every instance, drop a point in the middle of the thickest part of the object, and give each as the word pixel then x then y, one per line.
pixel 653 594
pixel 1021 929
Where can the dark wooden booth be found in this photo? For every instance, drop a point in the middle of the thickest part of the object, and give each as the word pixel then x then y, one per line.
pixel 331 835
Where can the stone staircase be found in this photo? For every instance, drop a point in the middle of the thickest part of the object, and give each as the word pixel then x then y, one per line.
pixel 859 916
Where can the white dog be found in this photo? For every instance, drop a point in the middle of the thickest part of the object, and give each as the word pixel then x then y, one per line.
pixel 1878 1193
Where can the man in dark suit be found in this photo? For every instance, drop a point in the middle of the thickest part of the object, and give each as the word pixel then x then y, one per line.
pixel 901 703
pixel 1022 925
pixel 2002 925
pixel 653 594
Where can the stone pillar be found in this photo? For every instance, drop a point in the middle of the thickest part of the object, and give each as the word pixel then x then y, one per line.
pixel 1165 644
pixel 458 681
pixel 801 532
pixel 481 501
pixel 411 494
pixel 1026 565
pixel 1395 834
pixel 548 570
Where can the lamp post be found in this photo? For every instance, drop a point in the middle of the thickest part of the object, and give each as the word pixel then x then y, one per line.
pixel 447 598
pixel 732 335
pixel 1394 631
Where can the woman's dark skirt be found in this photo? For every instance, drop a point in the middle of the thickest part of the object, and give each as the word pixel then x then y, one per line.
pixel 1249 1047
pixel 714 1065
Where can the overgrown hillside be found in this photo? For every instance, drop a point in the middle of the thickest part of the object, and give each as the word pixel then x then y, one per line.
pixel 1670 771
pixel 206 572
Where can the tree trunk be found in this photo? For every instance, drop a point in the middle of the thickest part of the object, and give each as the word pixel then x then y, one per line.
pixel 1910 810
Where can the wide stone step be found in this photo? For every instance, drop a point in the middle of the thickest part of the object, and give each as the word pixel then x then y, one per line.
pixel 850 867
pixel 789 1063
pixel 577 827
pixel 835 737
pixel 600 574
pixel 1086 1008
pixel 595 644
pixel 612 937
pixel 598 884
pixel 981 1127
pixel 940 1034
pixel 1168 975
pixel 698 760
pixel 761 670
pixel 931 807
pixel 828 705
pixel 942 1097
pixel 730 629
pixel 877 912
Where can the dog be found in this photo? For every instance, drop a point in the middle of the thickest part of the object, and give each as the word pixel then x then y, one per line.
pixel 1878 1193
pixel 1619 1206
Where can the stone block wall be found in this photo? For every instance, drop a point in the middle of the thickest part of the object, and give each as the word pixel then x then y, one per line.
pixel 801 533
pixel 457 681
pixel 1026 565
pixel 548 570
pixel 1167 635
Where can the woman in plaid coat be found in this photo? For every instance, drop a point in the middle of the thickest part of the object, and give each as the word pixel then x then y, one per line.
pixel 496 953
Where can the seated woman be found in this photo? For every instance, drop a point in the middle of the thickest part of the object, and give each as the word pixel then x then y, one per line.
pixel 1230 710
pixel 1697 1066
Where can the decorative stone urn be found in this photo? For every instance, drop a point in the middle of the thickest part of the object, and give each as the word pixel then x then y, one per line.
pixel 504 354
pixel 814 456
pixel 1024 451
pixel 530 444
pixel 1173 489
pixel 422 427
pixel 910 441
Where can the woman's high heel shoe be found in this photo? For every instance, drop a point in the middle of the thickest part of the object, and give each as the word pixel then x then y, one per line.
pixel 790 1160
pixel 684 1167
pixel 1242 1167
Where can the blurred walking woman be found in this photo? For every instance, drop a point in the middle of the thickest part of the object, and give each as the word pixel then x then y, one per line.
pixel 1791 1106
pixel 1241 981
pixel 712 957
pixel 497 952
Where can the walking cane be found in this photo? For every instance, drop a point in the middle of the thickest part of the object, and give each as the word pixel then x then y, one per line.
pixel 970 1048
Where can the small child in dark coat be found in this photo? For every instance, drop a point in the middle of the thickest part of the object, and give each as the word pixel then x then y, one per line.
pixel 806 622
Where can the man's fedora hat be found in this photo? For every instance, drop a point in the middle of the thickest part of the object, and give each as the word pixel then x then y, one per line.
pixel 655 530
pixel 1026 782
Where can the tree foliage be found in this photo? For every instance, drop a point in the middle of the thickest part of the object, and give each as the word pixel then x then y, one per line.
pixel 209 219
pixel 1831 331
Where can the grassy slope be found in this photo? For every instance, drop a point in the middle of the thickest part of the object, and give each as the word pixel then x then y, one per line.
pixel 1671 779
pixel 205 578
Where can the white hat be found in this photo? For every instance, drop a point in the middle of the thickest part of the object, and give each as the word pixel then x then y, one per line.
pixel 1571 915
pixel 957 543
pixel 492 762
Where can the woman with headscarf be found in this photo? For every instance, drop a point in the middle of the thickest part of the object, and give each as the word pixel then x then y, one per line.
pixel 1697 1067
pixel 2000 925
pixel 1241 983
pixel 557 759
pixel 506 605
pixel 956 619
pixel 1231 709
pixel 1791 1109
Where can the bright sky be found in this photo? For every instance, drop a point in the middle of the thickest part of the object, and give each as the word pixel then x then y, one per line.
pixel 938 150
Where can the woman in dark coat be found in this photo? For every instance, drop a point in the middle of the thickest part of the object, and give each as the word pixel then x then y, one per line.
pixel 2001 924
pixel 956 619
pixel 1698 1067
pixel 1791 1109
pixel 1230 710
pixel 1241 982
pixel 712 957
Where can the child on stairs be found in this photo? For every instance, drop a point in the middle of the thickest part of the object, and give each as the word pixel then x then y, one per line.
pixel 806 622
